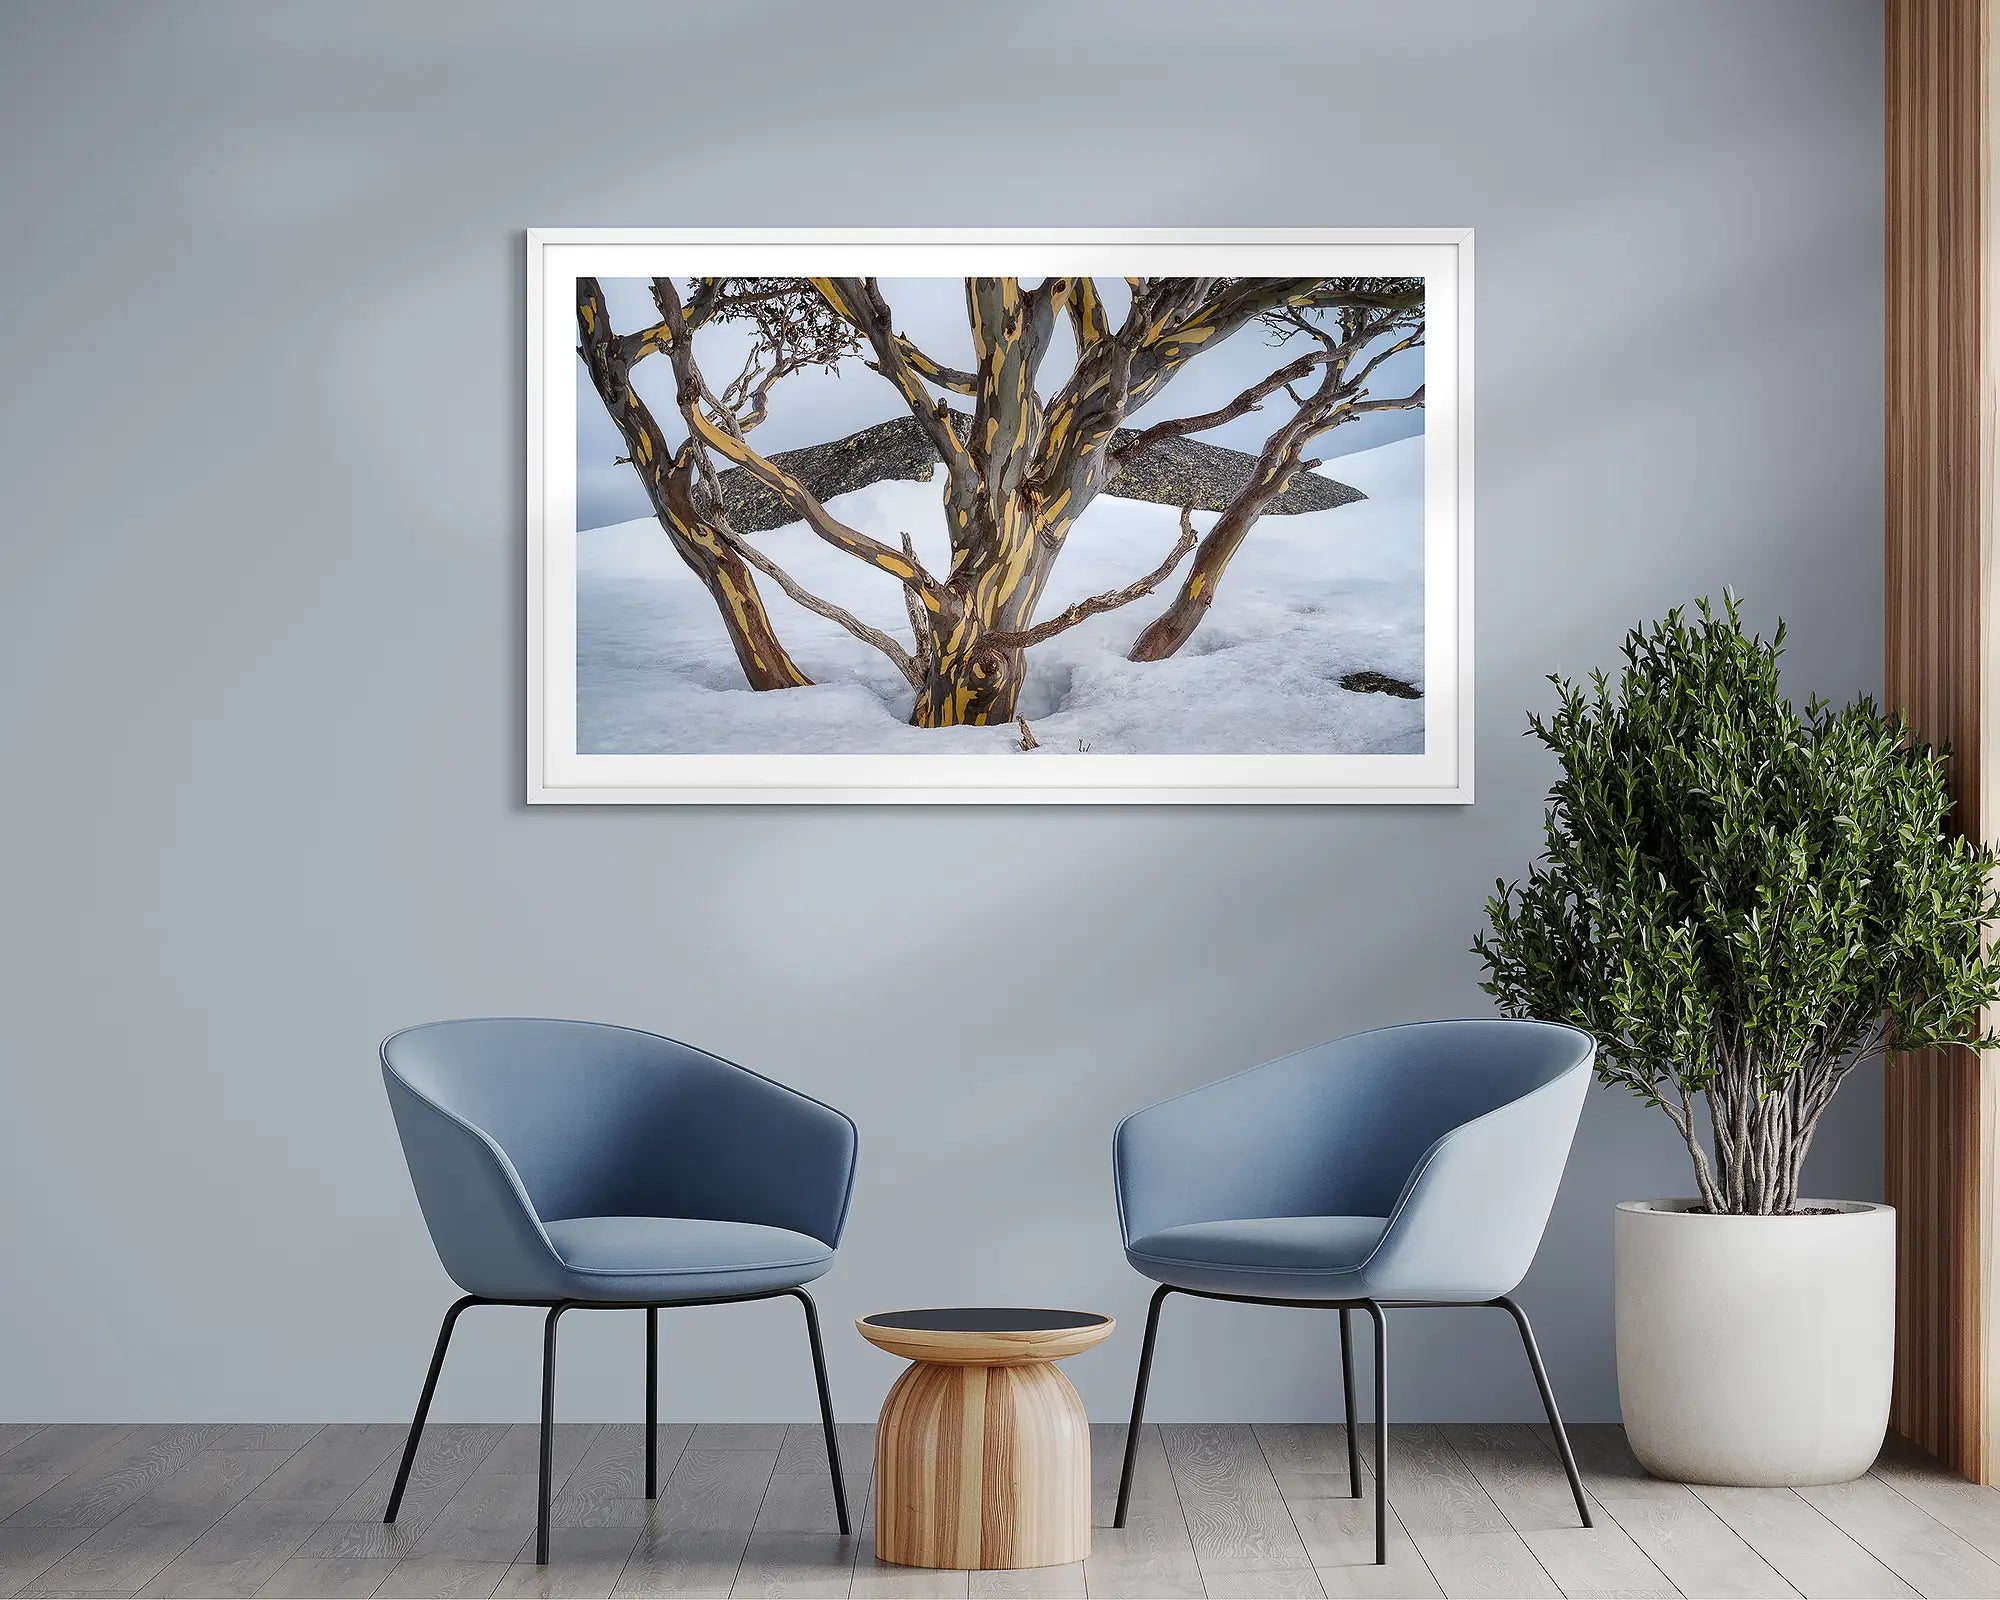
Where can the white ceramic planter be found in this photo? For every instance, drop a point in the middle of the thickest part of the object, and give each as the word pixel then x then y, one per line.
pixel 1755 1350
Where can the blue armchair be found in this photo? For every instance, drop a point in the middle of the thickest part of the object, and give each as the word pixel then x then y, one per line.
pixel 1409 1166
pixel 574 1165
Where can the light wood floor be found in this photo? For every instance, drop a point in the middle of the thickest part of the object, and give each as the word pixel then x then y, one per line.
pixel 1228 1511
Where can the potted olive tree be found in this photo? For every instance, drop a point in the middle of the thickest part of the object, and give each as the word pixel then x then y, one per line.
pixel 1744 900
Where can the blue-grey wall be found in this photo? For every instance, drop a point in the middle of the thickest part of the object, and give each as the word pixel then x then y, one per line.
pixel 261 618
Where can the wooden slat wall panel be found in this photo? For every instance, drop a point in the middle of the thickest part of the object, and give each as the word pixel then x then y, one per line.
pixel 1939 1124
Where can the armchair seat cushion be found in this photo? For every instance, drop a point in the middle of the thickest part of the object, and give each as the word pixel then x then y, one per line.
pixel 692 1258
pixel 1287 1258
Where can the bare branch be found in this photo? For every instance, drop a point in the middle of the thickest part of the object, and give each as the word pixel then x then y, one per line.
pixel 1086 315
pixel 1408 342
pixel 920 619
pixel 933 371
pixel 1408 402
pixel 1365 294
pixel 860 301
pixel 1172 320
pixel 1251 399
pixel 813 603
pixel 1097 605
pixel 1289 320
pixel 720 433
pixel 701 304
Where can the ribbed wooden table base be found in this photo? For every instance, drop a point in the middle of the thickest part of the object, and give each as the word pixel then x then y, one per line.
pixel 980 1467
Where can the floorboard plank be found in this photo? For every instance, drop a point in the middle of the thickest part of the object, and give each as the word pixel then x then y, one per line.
pixel 329 1578
pixel 1231 1502
pixel 1692 1547
pixel 488 1520
pixel 805 1449
pixel 493 1515
pixel 1339 1536
pixel 1699 1552
pixel 584 1564
pixel 1970 1510
pixel 798 1502
pixel 450 1454
pixel 114 1477
pixel 880 1580
pixel 740 1436
pixel 1906 1539
pixel 608 1485
pixel 292 1436
pixel 1805 1549
pixel 812 1565
pixel 122 1557
pixel 795 1546
pixel 18 1488
pixel 441 1578
pixel 1255 1578
pixel 26 1553
pixel 1519 1473
pixel 1433 1491
pixel 76 1594
pixel 59 1451
pixel 1598 1563
pixel 1485 1566
pixel 1611 1473
pixel 693 1544
pixel 333 1463
pixel 243 1550
pixel 1309 1459
pixel 209 1485
pixel 134 1547
pixel 1309 1462
pixel 1152 1556
pixel 1029 1583
pixel 519 1452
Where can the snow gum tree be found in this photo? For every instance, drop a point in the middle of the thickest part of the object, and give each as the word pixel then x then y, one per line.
pixel 1023 455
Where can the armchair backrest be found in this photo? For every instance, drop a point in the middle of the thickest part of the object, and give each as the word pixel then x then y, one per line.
pixel 508 1122
pixel 1375 1124
pixel 1471 1215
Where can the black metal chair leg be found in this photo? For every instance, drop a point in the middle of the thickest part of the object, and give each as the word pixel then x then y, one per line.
pixel 1347 1393
pixel 825 1408
pixel 1381 1432
pixel 424 1405
pixel 548 1432
pixel 652 1402
pixel 1549 1405
pixel 1139 1405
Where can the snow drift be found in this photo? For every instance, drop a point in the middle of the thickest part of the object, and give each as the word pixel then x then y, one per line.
pixel 1308 600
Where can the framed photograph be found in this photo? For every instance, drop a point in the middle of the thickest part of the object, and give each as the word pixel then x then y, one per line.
pixel 1005 517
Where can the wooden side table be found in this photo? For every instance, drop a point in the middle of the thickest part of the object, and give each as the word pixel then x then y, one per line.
pixel 982 1459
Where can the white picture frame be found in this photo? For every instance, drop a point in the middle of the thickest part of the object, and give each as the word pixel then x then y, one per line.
pixel 558 774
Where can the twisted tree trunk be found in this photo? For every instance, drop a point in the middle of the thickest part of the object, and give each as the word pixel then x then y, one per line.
pixel 1173 627
pixel 1335 400
pixel 999 568
pixel 1023 471
pixel 669 481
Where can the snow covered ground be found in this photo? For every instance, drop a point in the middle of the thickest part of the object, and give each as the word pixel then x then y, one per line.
pixel 1307 600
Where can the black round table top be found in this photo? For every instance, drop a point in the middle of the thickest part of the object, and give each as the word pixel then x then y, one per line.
pixel 986 1319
